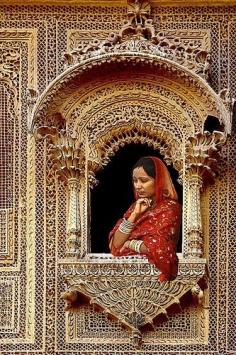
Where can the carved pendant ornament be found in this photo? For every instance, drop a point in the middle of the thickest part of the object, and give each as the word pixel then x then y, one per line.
pixel 127 288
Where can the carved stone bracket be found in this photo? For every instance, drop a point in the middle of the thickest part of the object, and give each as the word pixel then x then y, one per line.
pixel 127 289
pixel 68 157
pixel 94 163
pixel 202 157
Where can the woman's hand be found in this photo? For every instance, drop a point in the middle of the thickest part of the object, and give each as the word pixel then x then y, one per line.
pixel 125 246
pixel 141 205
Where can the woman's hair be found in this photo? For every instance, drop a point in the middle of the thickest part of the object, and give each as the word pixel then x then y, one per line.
pixel 148 166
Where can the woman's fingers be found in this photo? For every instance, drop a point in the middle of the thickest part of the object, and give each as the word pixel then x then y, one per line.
pixel 125 245
pixel 145 200
pixel 142 201
pixel 142 204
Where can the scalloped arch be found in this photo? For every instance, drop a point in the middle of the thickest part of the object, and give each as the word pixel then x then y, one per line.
pixel 109 143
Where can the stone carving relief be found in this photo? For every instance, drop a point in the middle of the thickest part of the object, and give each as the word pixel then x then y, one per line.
pixel 67 157
pixel 9 65
pixel 31 282
pixel 81 275
pixel 132 293
pixel 94 131
pixel 17 218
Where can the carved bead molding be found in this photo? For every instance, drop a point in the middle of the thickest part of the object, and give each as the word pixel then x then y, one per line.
pixel 202 157
pixel 128 289
pixel 67 155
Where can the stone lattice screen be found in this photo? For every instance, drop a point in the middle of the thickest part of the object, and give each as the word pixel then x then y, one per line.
pixel 33 205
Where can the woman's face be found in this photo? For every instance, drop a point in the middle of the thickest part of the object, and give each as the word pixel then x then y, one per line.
pixel 144 184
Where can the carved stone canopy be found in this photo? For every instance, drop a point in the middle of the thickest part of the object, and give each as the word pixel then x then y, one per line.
pixel 55 97
pixel 136 45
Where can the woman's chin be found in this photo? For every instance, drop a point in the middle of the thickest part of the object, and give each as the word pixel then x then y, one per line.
pixel 143 196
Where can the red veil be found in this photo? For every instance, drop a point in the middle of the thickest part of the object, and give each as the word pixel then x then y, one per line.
pixel 163 183
pixel 158 227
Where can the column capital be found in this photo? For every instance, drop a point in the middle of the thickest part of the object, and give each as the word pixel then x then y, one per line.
pixel 66 152
pixel 202 155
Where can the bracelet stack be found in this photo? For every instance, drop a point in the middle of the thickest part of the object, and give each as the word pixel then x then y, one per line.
pixel 126 226
pixel 135 245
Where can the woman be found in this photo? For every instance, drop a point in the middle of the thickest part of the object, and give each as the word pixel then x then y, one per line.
pixel 151 225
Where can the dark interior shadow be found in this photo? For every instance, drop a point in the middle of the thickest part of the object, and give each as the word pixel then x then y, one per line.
pixel 114 194
pixel 212 124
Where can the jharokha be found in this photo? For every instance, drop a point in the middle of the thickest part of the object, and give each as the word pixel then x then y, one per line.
pixel 117 173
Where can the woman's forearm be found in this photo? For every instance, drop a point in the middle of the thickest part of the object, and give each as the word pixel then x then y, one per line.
pixel 119 237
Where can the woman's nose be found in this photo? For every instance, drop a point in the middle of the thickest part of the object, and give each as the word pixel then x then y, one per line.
pixel 138 184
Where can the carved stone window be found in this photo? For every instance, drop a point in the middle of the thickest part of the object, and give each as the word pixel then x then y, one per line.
pixel 135 87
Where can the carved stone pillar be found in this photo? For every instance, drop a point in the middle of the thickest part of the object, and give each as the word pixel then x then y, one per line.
pixel 67 155
pixel 73 240
pixel 202 156
pixel 194 222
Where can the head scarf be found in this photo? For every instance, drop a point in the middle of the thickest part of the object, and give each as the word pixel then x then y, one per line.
pixel 164 186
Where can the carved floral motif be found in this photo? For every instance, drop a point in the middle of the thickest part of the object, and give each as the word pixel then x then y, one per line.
pixel 9 64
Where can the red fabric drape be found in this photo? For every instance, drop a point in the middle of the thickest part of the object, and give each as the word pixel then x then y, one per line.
pixel 158 227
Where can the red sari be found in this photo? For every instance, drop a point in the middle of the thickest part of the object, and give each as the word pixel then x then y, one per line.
pixel 157 227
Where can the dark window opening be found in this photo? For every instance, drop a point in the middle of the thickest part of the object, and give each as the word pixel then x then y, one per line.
pixel 213 124
pixel 114 194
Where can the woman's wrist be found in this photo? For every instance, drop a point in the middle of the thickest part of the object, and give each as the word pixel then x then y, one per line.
pixel 132 218
pixel 135 245
pixel 126 226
